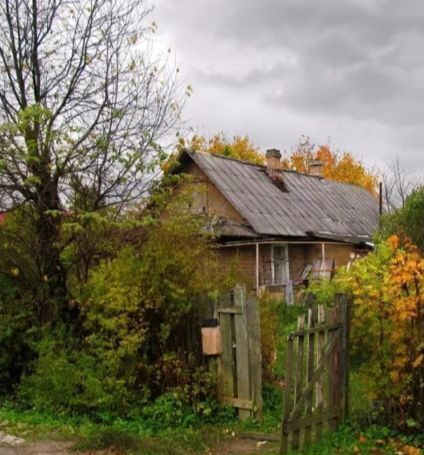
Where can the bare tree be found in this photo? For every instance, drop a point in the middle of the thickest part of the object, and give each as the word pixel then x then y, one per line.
pixel 83 107
pixel 398 184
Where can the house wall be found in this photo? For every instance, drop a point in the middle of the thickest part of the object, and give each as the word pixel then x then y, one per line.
pixel 244 258
pixel 297 259
pixel 340 253
pixel 207 198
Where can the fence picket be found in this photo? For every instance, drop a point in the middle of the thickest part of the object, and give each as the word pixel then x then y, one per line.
pixel 299 373
pixel 319 403
pixel 239 365
pixel 309 370
pixel 287 394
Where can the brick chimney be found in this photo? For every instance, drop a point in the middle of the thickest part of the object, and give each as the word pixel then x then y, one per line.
pixel 273 164
pixel 315 167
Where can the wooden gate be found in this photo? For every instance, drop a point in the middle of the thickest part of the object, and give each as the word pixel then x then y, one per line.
pixel 316 384
pixel 240 362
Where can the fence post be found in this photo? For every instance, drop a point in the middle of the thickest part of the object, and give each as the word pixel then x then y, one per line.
pixel 346 349
pixel 309 370
pixel 287 392
pixel 255 355
pixel 319 397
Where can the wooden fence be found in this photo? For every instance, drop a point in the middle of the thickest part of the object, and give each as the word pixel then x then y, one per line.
pixel 316 383
pixel 240 362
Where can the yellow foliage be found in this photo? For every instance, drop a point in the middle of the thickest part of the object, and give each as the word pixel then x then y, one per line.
pixel 388 289
pixel 239 148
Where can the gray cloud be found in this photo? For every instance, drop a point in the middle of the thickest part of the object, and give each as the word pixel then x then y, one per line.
pixel 275 69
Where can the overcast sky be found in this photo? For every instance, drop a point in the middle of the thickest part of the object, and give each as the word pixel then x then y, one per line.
pixel 351 70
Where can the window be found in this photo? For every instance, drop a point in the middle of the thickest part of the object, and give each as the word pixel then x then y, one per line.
pixel 279 264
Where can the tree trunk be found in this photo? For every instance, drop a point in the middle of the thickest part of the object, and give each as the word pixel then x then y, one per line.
pixel 53 302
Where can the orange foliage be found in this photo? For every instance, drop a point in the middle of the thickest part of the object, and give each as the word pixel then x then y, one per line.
pixel 388 288
pixel 406 286
pixel 338 166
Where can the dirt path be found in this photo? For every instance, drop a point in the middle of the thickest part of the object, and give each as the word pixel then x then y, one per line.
pixel 51 448
pixel 231 445
pixel 48 448
pixel 234 446
pixel 239 446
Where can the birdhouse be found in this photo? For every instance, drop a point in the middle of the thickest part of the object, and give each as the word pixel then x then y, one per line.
pixel 211 338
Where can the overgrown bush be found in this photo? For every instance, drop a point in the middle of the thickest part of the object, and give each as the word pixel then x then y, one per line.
pixel 18 333
pixel 138 312
pixel 277 320
pixel 387 343
pixel 407 221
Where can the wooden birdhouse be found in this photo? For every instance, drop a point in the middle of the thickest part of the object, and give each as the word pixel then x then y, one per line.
pixel 211 338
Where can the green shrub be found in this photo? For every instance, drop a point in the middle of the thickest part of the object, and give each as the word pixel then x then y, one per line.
pixel 134 340
pixel 408 220
pixel 67 379
pixel 17 333
pixel 277 320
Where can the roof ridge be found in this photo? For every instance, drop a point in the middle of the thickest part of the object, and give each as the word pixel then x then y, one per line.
pixel 292 171
pixel 217 155
pixel 263 166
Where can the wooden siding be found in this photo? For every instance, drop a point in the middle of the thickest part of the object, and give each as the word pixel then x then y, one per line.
pixel 297 259
pixel 244 259
pixel 340 253
pixel 207 198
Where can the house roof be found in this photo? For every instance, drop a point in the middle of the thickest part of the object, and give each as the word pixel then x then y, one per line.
pixel 309 206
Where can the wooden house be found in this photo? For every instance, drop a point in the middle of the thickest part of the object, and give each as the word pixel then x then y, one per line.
pixel 280 226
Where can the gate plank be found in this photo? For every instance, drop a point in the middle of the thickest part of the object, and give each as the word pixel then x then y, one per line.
pixel 299 373
pixel 255 355
pixel 287 392
pixel 302 422
pixel 319 399
pixel 242 352
pixel 227 373
pixel 309 370
pixel 333 368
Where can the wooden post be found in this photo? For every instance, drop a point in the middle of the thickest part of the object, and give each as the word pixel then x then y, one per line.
pixel 226 369
pixel 257 269
pixel 299 374
pixel 319 398
pixel 346 352
pixel 255 356
pixel 242 348
pixel 287 393
pixel 309 370
pixel 331 368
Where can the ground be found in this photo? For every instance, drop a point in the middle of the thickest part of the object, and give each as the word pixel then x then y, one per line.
pixel 232 445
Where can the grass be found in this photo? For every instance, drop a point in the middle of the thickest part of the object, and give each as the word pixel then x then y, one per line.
pixel 132 437
pixel 129 436
pixel 137 438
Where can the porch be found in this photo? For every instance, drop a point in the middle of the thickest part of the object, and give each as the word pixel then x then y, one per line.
pixel 276 266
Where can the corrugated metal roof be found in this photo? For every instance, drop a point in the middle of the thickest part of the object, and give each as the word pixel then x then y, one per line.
pixel 310 204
